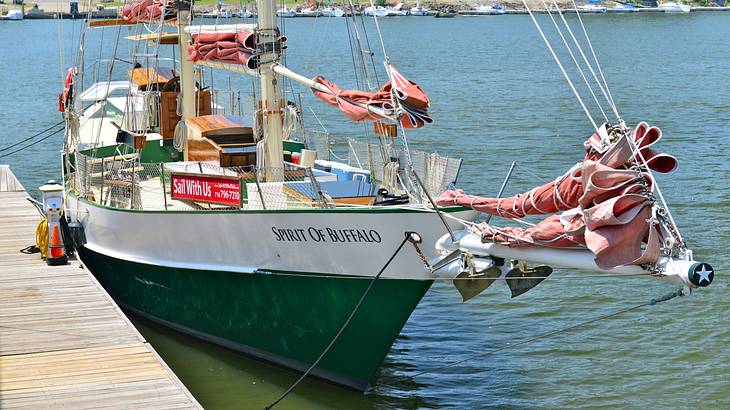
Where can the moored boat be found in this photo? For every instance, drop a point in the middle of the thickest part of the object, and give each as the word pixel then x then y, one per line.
pixel 481 10
pixel 418 10
pixel 13 15
pixel 592 8
pixel 673 7
pixel 624 8
pixel 286 12
pixel 445 14
pixel 332 12
pixel 377 11
pixel 248 233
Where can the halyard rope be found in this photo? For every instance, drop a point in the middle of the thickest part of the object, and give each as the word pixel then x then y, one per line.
pixel 572 56
pixel 604 90
pixel 560 65
pixel 598 65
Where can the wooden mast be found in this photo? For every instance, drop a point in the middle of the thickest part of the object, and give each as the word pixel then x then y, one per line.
pixel 271 101
pixel 187 74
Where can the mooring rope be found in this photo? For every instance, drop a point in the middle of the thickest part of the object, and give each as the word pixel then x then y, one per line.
pixel 39 133
pixel 651 302
pixel 29 145
pixel 408 236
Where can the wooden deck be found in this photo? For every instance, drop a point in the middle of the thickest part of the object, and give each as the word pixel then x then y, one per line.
pixel 63 342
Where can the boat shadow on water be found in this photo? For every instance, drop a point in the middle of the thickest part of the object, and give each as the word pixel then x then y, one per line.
pixel 220 378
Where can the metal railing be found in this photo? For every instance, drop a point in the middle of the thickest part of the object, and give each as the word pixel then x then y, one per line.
pixel 124 182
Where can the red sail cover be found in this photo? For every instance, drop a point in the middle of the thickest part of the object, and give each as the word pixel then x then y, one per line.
pixel 411 98
pixel 232 48
pixel 605 205
pixel 146 10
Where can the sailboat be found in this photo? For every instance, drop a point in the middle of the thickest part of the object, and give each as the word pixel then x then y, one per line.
pixel 480 10
pixel 418 10
pixel 396 10
pixel 286 12
pixel 246 233
pixel 375 11
pixel 13 15
pixel 310 11
pixel 673 7
pixel 331 11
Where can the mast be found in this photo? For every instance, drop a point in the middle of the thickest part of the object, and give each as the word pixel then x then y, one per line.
pixel 187 75
pixel 270 105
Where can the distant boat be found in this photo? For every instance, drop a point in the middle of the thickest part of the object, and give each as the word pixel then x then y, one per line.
pixel 285 12
pixel 377 11
pixel 624 8
pixel 396 11
pixel 418 10
pixel 309 12
pixel 223 13
pixel 480 10
pixel 592 8
pixel 245 14
pixel 674 7
pixel 332 12
pixel 13 15
pixel 444 14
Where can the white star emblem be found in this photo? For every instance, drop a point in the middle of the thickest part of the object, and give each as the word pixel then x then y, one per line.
pixel 704 274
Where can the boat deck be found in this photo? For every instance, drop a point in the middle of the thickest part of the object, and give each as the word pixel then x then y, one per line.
pixel 63 342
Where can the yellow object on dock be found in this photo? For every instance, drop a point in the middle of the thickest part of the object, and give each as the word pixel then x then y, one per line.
pixel 64 343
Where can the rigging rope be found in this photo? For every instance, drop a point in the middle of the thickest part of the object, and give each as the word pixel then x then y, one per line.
pixel 651 302
pixel 32 136
pixel 598 65
pixel 606 93
pixel 572 56
pixel 408 236
pixel 560 65
pixel 33 143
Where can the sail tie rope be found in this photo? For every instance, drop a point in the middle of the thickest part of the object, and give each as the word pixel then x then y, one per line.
pixel 408 236
pixel 651 302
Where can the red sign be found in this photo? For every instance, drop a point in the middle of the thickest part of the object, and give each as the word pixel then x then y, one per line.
pixel 206 188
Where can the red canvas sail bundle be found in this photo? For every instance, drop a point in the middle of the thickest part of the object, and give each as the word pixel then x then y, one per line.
pixel 228 47
pixel 606 205
pixel 146 10
pixel 356 105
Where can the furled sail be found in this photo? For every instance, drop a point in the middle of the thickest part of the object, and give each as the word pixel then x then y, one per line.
pixel 227 47
pixel 398 94
pixel 604 202
pixel 146 10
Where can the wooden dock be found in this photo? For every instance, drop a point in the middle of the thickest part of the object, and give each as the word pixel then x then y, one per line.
pixel 64 343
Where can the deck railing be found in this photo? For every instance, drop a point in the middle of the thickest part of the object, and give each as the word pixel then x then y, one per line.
pixel 124 182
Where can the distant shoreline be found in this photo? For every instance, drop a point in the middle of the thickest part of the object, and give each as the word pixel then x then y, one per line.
pixel 49 9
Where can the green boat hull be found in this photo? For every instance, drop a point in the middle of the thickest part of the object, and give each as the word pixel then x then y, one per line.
pixel 286 318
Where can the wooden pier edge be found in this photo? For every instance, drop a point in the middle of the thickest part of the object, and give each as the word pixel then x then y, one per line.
pixel 64 343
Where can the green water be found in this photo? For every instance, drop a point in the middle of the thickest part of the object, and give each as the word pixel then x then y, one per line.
pixel 496 97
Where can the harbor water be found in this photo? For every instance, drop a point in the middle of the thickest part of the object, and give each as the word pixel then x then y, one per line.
pixel 497 96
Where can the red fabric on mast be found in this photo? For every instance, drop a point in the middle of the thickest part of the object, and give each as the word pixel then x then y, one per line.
pixel 146 10
pixel 411 98
pixel 227 47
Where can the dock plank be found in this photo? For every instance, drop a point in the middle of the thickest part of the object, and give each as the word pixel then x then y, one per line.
pixel 64 343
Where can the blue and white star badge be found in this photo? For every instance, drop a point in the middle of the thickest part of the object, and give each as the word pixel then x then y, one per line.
pixel 702 274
